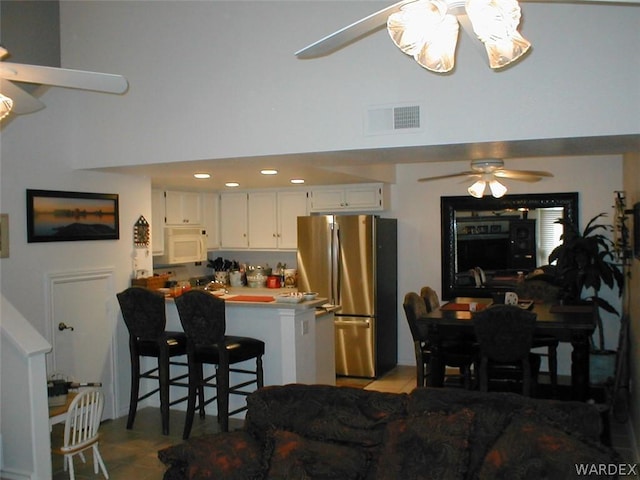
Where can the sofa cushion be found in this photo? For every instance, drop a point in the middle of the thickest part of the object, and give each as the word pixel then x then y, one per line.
pixel 232 455
pixel 293 456
pixel 322 412
pixel 532 449
pixel 429 446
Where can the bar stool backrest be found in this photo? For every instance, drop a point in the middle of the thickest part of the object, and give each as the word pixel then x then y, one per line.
pixel 143 311
pixel 202 316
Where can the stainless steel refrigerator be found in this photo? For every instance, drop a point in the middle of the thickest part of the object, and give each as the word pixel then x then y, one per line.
pixel 352 261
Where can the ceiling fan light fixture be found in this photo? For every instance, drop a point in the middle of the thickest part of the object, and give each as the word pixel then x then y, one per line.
pixel 477 189
pixel 424 30
pixel 6 104
pixel 439 53
pixel 497 189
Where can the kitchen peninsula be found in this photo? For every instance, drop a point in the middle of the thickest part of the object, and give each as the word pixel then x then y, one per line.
pixel 299 337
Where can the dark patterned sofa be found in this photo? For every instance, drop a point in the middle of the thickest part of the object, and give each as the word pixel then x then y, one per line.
pixel 323 432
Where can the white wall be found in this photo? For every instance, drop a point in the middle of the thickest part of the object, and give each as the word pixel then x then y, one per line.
pixel 417 207
pixel 35 152
pixel 214 79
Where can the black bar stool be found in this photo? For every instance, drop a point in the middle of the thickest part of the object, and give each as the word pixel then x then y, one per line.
pixel 203 319
pixel 143 311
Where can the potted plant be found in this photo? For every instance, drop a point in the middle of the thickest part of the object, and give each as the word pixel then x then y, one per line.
pixel 584 262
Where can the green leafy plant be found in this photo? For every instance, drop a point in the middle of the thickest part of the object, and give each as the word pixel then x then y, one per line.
pixel 585 261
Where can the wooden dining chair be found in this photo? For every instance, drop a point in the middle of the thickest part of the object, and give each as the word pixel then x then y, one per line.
pixel 460 355
pixel 81 431
pixel 430 298
pixel 505 338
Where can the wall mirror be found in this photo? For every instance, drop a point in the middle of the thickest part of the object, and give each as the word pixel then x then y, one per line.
pixel 488 242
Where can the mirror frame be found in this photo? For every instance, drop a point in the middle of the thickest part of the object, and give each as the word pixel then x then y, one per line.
pixel 448 207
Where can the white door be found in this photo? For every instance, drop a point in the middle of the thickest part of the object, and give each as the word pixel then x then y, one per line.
pixel 82 321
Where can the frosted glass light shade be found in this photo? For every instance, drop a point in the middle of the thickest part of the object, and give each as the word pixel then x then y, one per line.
pixel 495 22
pixel 6 104
pixel 425 31
pixel 497 189
pixel 477 189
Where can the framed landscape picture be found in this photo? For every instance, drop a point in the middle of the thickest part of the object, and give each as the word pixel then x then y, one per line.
pixel 55 216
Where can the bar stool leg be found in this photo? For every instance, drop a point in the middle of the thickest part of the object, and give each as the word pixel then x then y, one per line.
pixel 163 374
pixel 135 387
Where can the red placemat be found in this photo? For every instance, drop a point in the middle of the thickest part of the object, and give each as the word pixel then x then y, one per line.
pixel 250 298
pixel 463 306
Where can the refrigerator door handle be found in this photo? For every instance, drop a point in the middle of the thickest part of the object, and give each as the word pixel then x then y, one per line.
pixel 336 263
pixel 347 323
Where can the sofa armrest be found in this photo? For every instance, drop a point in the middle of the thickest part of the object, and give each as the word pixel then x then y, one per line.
pixel 232 455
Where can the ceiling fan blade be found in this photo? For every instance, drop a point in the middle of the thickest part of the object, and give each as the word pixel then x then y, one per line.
pixel 522 175
pixel 350 33
pixel 451 175
pixel 22 101
pixel 63 77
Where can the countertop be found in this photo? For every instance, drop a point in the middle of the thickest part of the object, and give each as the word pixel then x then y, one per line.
pixel 269 292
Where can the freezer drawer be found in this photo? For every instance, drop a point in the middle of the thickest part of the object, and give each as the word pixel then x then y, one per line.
pixel 355 346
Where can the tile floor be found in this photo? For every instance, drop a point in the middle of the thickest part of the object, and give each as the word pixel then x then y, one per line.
pixel 132 454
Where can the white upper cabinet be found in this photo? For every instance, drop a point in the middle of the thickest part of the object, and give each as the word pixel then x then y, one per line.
pixel 157 222
pixel 234 220
pixel 183 208
pixel 291 205
pixel 211 219
pixel 263 215
pixel 366 197
pixel 266 220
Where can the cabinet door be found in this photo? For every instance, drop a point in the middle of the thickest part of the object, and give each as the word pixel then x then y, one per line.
pixel 327 200
pixel 233 220
pixel 291 205
pixel 365 197
pixel 211 219
pixel 262 220
pixel 157 222
pixel 182 208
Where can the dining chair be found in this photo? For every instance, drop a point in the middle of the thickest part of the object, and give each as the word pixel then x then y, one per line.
pixel 81 430
pixel 505 338
pixel 203 319
pixel 430 298
pixel 144 314
pixel 455 354
pixel 544 292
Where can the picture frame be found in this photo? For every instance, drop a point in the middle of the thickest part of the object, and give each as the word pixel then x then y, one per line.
pixel 4 235
pixel 59 216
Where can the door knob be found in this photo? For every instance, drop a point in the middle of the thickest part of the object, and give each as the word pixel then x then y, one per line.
pixel 63 326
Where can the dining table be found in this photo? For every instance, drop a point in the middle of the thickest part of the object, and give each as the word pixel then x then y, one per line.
pixel 572 324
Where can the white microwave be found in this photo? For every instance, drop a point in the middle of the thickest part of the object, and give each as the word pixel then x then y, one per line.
pixel 184 245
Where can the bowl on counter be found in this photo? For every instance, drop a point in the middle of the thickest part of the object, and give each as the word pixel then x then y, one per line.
pixel 309 295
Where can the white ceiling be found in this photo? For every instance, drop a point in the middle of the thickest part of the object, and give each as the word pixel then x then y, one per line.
pixel 362 166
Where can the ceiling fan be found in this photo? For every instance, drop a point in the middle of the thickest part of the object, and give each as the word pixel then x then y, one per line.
pixel 428 30
pixel 487 172
pixel 15 99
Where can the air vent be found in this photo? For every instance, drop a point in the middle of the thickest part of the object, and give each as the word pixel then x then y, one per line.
pixel 392 119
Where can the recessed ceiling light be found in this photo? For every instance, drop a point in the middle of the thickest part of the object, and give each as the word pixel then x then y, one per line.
pixel 269 171
pixel 297 180
pixel 202 175
pixel 232 184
